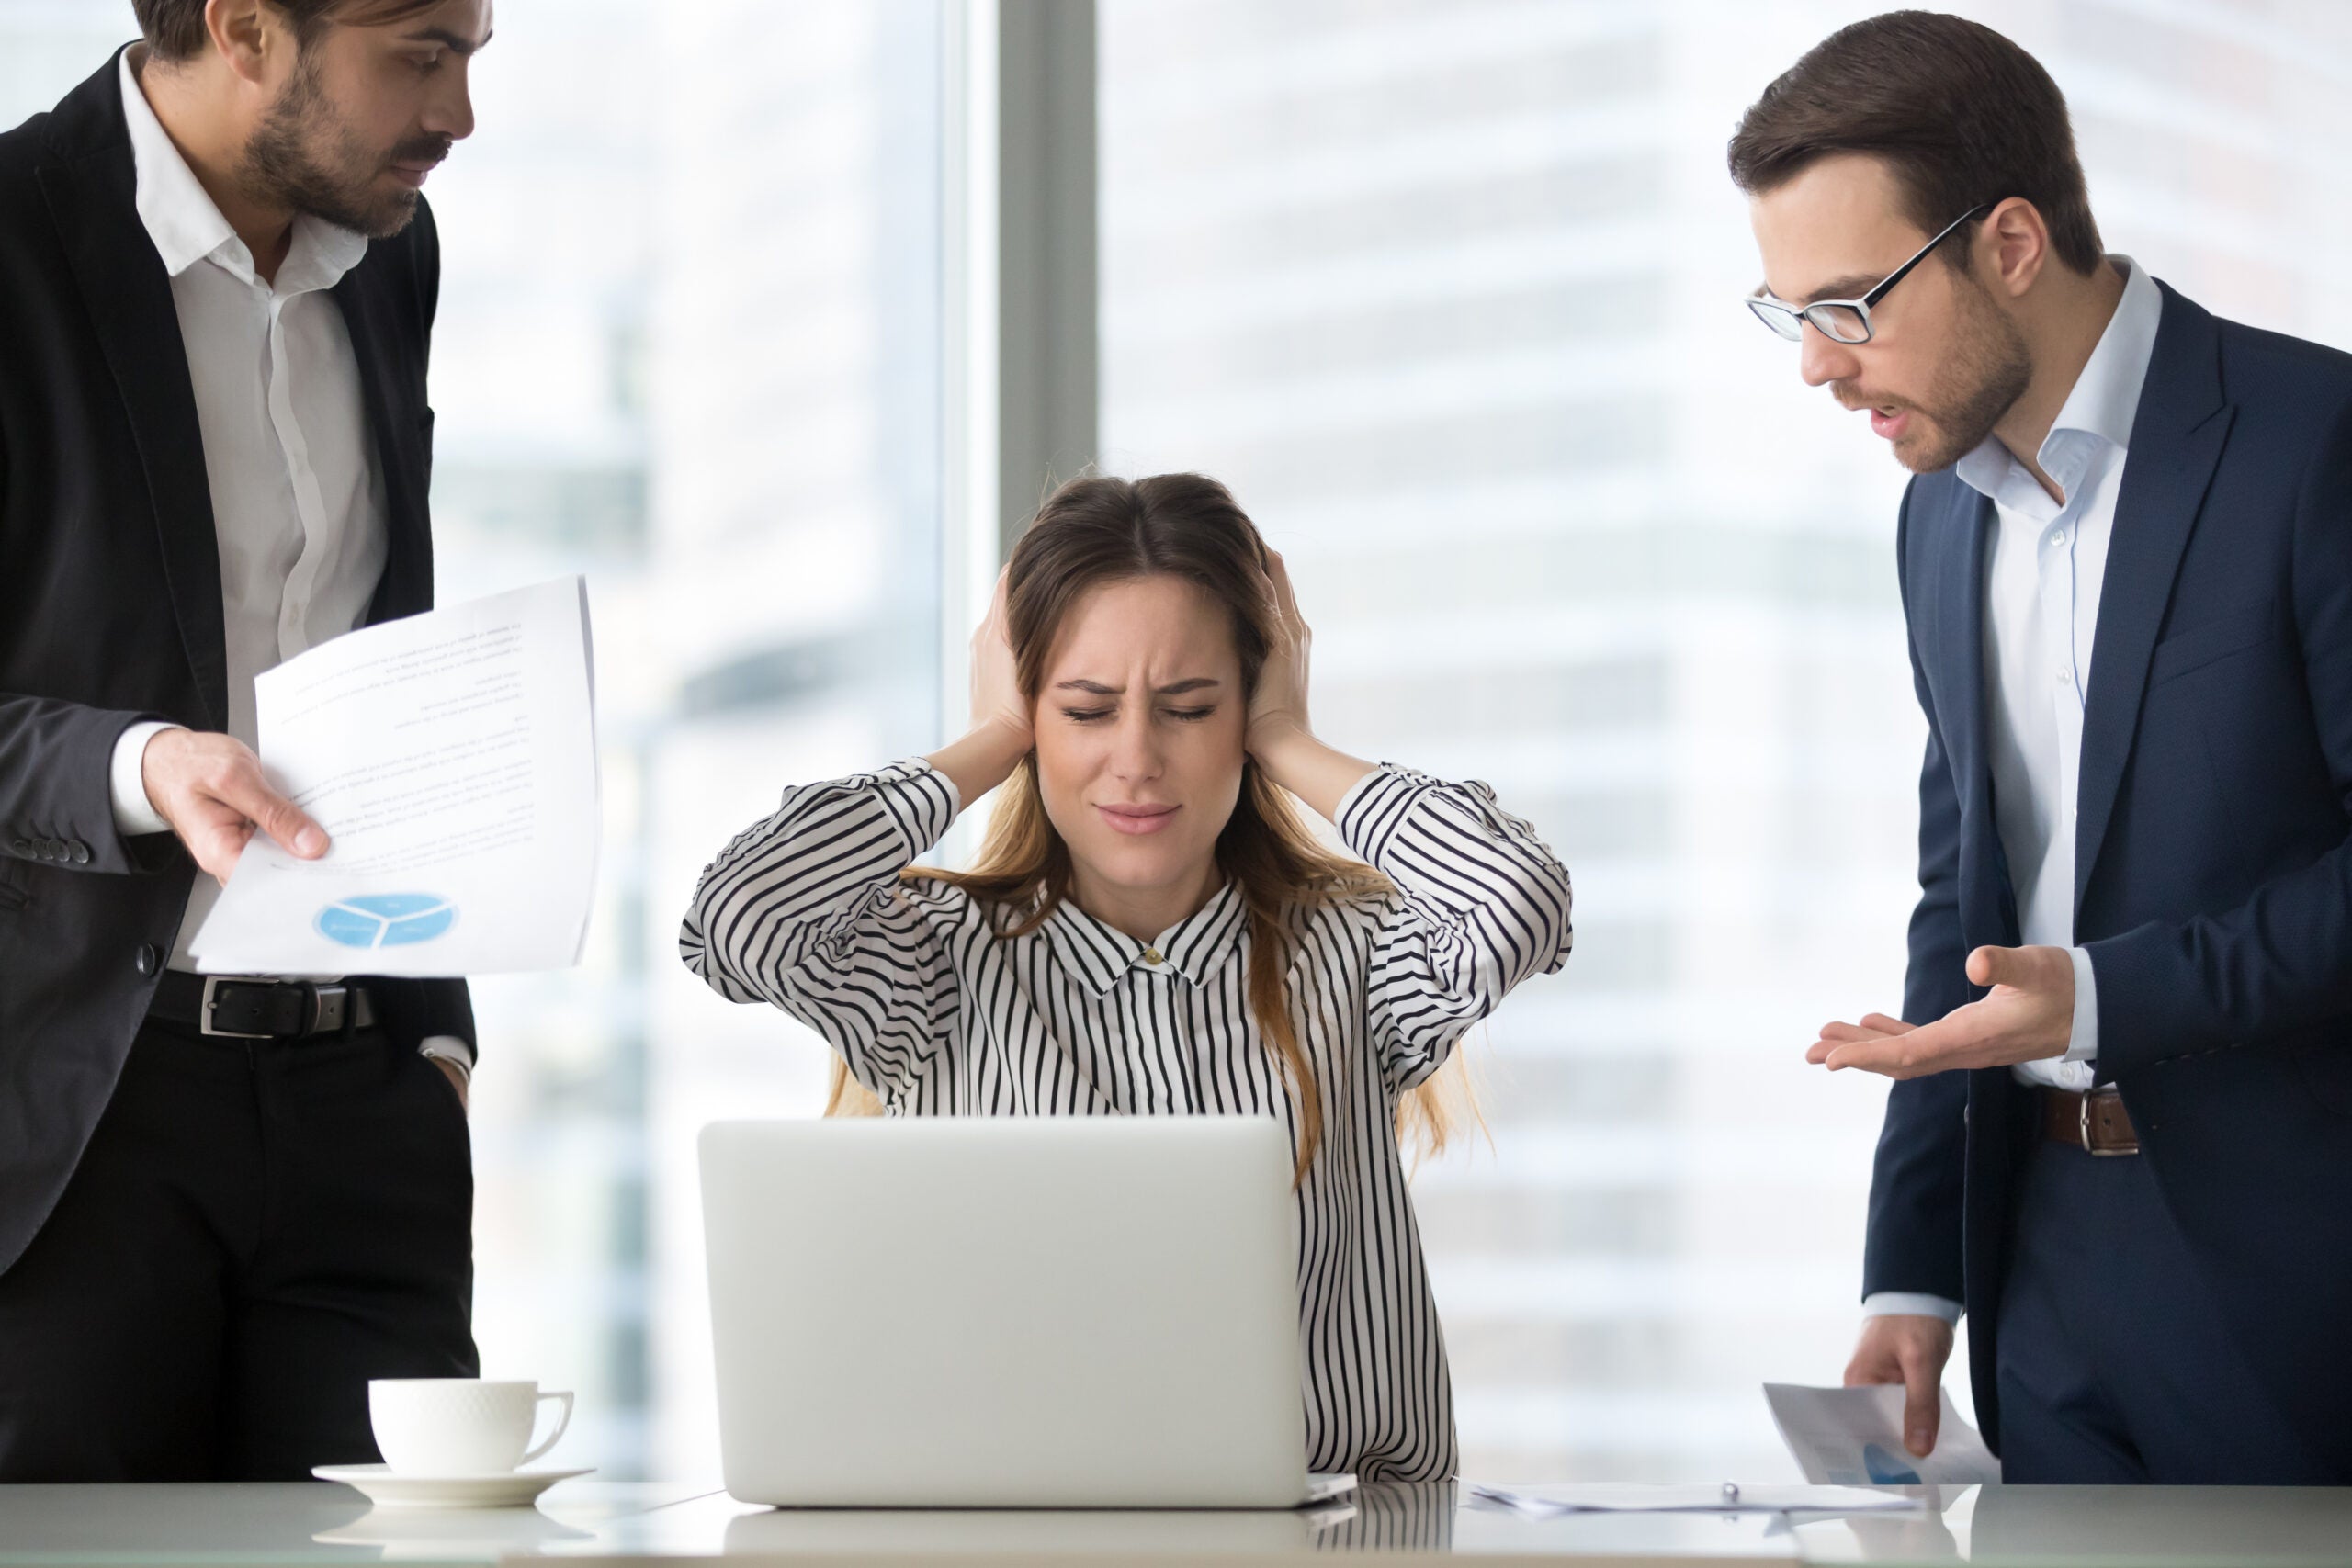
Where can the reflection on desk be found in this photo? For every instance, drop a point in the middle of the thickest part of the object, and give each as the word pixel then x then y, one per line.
pixel 1386 1517
pixel 2007 1526
pixel 587 1521
pixel 442 1535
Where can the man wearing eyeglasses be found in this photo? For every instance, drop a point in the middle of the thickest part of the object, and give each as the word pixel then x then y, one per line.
pixel 2120 1132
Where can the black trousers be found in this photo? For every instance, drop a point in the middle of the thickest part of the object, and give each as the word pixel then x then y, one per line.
pixel 2114 1365
pixel 256 1229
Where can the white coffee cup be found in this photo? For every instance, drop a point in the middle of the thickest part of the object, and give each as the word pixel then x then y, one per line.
pixel 455 1427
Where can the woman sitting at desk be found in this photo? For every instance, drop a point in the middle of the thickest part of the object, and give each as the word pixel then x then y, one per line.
pixel 1151 928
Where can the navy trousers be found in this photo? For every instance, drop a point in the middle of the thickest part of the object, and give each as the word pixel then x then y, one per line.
pixel 2115 1366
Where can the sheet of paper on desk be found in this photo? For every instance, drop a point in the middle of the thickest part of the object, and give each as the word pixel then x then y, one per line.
pixel 451 758
pixel 1853 1437
pixel 1614 1497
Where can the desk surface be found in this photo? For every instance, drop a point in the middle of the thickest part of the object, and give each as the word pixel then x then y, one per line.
pixel 586 1520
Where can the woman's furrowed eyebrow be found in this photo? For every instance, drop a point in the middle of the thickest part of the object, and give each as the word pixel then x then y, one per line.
pixel 1096 688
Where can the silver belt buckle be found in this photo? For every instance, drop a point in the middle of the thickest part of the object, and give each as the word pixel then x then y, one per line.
pixel 204 1013
pixel 2088 1147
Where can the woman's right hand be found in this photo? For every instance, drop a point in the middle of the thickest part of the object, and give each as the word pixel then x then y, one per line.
pixel 996 677
pixel 1002 730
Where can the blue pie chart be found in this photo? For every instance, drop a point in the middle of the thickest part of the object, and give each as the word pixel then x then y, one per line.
pixel 386 920
pixel 1885 1470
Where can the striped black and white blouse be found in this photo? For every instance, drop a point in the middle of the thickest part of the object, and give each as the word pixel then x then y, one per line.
pixel 938 1014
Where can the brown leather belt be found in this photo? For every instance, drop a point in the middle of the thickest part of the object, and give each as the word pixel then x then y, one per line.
pixel 260 1010
pixel 2094 1123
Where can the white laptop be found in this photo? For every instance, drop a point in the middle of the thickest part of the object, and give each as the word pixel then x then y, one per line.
pixel 1000 1312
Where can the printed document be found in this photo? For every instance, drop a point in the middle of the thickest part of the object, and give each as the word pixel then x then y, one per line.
pixel 1853 1437
pixel 451 758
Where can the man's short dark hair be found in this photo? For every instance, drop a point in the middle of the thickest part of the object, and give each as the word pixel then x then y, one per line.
pixel 175 28
pixel 1962 115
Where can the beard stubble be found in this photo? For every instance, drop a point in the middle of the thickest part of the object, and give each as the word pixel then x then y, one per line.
pixel 304 158
pixel 1981 380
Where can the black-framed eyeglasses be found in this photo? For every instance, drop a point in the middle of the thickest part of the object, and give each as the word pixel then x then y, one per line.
pixel 1849 320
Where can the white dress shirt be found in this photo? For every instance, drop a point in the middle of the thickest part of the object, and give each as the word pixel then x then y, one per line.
pixel 298 500
pixel 2042 592
pixel 938 1013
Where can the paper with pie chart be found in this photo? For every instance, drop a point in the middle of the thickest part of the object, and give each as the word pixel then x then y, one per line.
pixel 451 758
pixel 1853 1437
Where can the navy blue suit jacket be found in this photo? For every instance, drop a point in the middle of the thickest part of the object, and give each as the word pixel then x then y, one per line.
pixel 2213 875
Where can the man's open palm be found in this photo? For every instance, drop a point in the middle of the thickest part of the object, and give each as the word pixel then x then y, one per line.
pixel 2027 1016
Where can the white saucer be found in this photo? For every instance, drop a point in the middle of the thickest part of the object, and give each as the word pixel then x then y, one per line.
pixel 388 1489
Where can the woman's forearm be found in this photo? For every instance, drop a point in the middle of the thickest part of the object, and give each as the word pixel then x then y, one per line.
pixel 983 758
pixel 1310 770
pixel 783 888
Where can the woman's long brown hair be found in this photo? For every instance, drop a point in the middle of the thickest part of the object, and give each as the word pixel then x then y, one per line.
pixel 1094 531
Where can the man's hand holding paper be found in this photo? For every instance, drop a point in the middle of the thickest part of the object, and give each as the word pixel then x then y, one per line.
pixel 1909 1350
pixel 1853 1437
pixel 210 791
pixel 450 761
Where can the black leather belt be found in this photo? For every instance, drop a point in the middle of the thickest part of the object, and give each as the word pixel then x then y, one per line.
pixel 260 1010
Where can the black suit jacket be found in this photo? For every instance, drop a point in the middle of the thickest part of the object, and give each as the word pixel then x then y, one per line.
pixel 2213 862
pixel 110 609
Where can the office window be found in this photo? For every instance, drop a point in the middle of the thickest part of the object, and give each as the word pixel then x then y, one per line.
pixel 689 344
pixel 797 511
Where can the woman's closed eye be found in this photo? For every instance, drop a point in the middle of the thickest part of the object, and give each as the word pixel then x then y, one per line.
pixel 1091 716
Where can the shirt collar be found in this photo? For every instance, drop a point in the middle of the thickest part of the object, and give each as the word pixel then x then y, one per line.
pixel 186 227
pixel 1098 956
pixel 2099 410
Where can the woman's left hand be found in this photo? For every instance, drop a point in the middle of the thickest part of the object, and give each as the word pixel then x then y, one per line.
pixel 1278 708
pixel 1280 738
